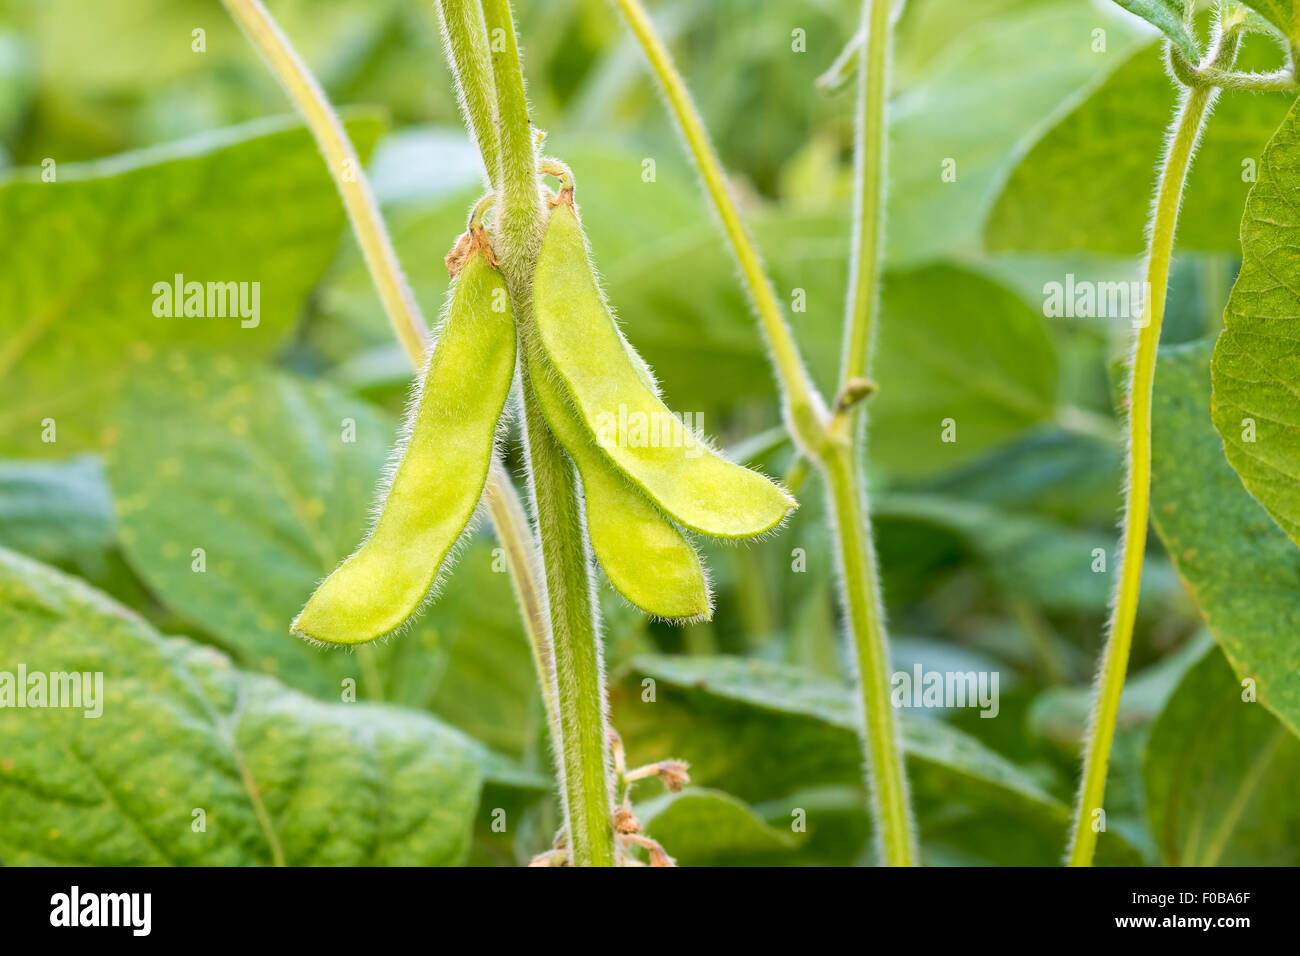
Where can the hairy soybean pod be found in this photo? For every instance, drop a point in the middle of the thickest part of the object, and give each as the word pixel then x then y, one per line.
pixel 643 554
pixel 687 479
pixel 440 476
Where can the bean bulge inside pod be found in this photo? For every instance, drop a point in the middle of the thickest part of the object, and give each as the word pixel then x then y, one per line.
pixel 440 474
pixel 594 367
pixel 646 558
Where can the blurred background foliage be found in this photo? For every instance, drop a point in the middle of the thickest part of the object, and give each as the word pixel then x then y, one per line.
pixel 226 439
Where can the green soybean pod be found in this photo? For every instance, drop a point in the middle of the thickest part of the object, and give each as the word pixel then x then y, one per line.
pixel 687 479
pixel 439 478
pixel 642 553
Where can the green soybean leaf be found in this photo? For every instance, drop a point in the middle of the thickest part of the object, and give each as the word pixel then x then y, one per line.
pixel 439 477
pixel 1256 364
pixel 956 348
pixel 645 557
pixel 1220 775
pixel 1279 14
pixel 763 731
pixel 256 467
pixel 88 266
pixel 957 133
pixel 238 495
pixel 277 776
pixel 1054 474
pixel 820 715
pixel 1167 17
pixel 467 660
pixel 1242 571
pixel 702 827
pixel 687 479
pixel 1061 715
pixel 131 47
pixel 1111 141
pixel 56 511
pixel 1027 556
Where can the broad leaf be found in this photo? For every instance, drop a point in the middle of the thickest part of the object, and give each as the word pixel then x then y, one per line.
pixel 128 46
pixel 1062 715
pixel 1239 567
pixel 238 495
pixel 1221 775
pixel 955 346
pixel 195 763
pixel 1167 17
pixel 822 709
pixel 1279 14
pixel 762 731
pixel 973 110
pixel 80 258
pixel 1112 141
pixel 701 827
pixel 273 477
pixel 1027 556
pixel 56 511
pixel 1256 364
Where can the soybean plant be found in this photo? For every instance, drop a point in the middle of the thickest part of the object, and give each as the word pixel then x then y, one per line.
pixel 542 303
pixel 526 299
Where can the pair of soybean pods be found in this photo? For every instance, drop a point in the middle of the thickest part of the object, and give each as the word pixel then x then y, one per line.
pixel 583 373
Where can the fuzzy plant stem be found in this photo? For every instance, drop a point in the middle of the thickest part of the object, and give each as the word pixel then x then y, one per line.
pixel 843 468
pixel 381 259
pixel 1180 145
pixel 583 744
pixel 831 441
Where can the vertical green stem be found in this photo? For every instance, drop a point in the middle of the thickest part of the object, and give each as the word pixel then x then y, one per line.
pixel 466 40
pixel 843 468
pixel 864 610
pixel 830 442
pixel 521 557
pixel 871 153
pixel 575 638
pixel 1184 132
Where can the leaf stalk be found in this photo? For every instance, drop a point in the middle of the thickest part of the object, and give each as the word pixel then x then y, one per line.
pixel 1184 133
pixel 832 442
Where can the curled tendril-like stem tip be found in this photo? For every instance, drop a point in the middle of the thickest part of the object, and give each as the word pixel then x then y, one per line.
pixel 553 167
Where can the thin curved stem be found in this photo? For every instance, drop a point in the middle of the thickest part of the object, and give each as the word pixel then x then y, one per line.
pixel 344 165
pixel 864 610
pixel 583 739
pixel 805 409
pixel 398 301
pixel 830 442
pixel 843 469
pixel 1184 133
pixel 466 39
pixel 870 174
pixel 1189 74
